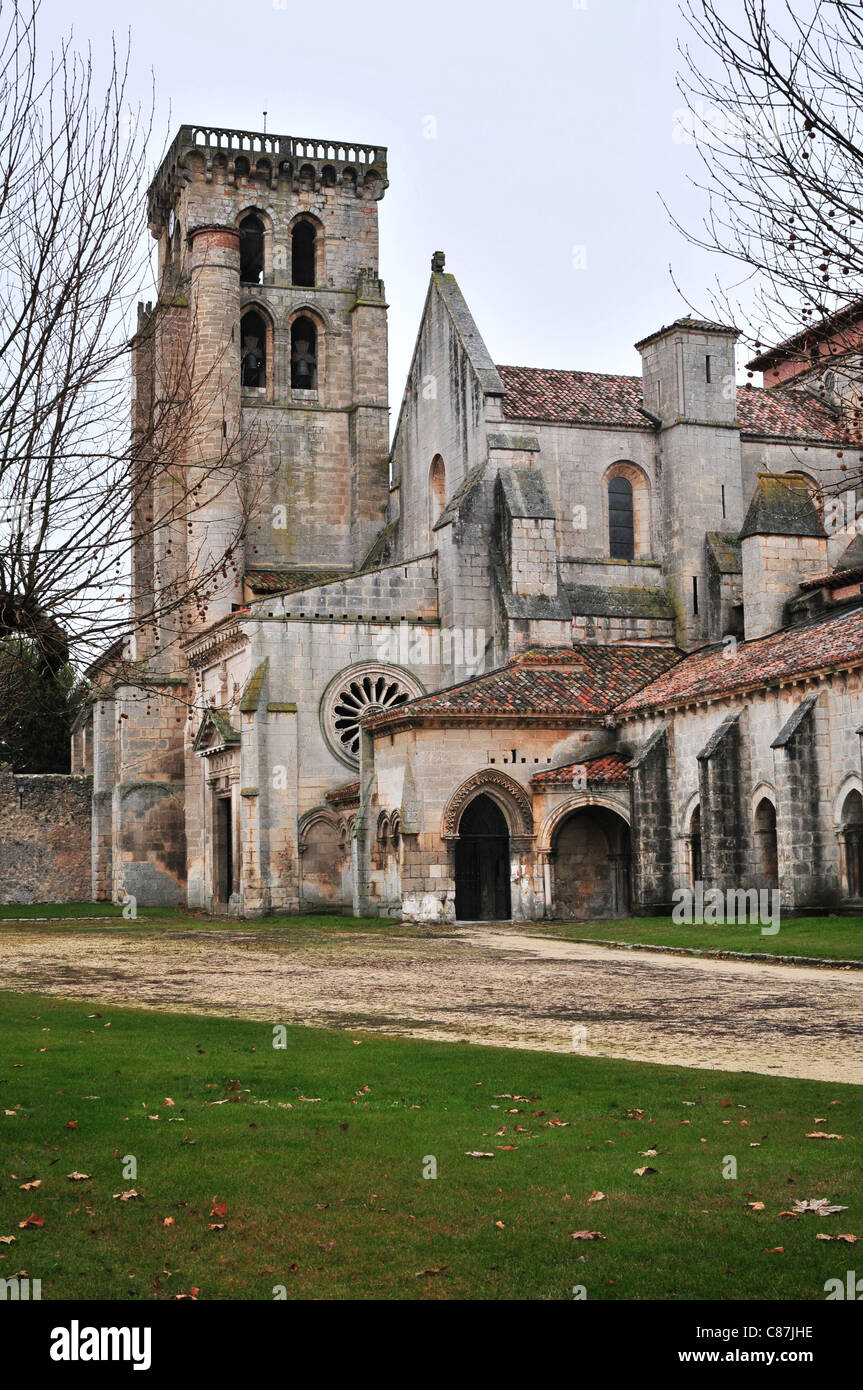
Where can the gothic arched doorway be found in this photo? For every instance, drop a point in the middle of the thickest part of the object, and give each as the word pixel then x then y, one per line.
pixel 482 863
pixel 591 861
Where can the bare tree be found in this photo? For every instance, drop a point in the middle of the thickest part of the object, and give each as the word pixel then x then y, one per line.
pixel 94 514
pixel 774 103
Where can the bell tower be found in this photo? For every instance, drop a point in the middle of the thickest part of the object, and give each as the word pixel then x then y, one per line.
pixel 268 267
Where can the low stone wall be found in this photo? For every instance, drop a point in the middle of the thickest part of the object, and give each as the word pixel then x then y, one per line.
pixel 44 837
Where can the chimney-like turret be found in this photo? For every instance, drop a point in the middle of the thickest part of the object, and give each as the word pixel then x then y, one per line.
pixel 782 541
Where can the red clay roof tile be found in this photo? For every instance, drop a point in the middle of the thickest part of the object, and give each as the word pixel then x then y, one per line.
pixel 583 681
pixel 808 648
pixel 599 771
pixel 597 398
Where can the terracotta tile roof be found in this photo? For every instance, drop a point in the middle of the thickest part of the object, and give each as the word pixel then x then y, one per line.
pixel 785 414
pixel 542 683
pixel 816 645
pixel 599 771
pixel 594 398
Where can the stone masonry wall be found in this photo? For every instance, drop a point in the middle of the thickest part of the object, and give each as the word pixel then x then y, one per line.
pixel 44 838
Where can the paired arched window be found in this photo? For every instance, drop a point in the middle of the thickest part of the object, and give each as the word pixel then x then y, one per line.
pixel 253 349
pixel 304 354
pixel 621 519
pixel 252 250
pixel 303 252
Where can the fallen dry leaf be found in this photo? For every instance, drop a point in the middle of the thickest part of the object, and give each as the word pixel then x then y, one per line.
pixel 819 1134
pixel 218 1208
pixel 422 1273
pixel 477 1153
pixel 169 1221
pixel 755 1206
pixel 29 1186
pixel 7 1240
pixel 79 1177
pixel 127 1196
pixel 596 1197
pixel 776 1250
pixel 819 1205
pixel 642 1172
pixel 32 1220
pixel 587 1235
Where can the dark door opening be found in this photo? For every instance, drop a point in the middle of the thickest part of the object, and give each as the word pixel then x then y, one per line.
pixel 592 865
pixel 482 864
pixel 224 846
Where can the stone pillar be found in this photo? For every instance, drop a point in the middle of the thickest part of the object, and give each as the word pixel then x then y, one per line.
pixel 803 880
pixel 650 822
pixel 215 512
pixel 724 831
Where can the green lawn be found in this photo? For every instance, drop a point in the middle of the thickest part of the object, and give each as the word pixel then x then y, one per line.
pixel 318 1151
pixel 825 938
pixel 80 918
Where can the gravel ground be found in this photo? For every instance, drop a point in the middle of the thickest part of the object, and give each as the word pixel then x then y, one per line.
pixel 480 984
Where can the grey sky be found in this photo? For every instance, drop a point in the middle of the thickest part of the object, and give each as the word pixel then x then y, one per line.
pixel 552 126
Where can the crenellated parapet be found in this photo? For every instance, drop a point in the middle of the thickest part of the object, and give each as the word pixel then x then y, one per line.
pixel 274 161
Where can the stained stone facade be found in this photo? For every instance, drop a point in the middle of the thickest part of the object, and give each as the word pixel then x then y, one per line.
pixel 571 642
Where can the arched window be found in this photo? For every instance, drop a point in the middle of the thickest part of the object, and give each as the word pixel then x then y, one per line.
pixel 852 836
pixel 252 250
pixel 304 354
pixel 765 840
pixel 253 348
pixel 437 490
pixel 621 520
pixel 695 848
pixel 303 239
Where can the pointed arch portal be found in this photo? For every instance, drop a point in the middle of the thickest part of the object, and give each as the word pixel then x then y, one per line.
pixel 482 891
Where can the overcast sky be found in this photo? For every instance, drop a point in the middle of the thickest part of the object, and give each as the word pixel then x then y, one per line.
pixel 529 141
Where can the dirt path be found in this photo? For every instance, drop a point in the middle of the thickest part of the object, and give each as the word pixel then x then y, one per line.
pixel 482 985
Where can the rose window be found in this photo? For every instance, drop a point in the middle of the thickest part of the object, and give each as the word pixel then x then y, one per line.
pixel 360 692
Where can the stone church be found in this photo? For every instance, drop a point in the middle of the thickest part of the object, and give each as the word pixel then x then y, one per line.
pixel 573 640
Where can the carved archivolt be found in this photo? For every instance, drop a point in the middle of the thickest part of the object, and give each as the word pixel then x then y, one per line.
pixel 510 795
